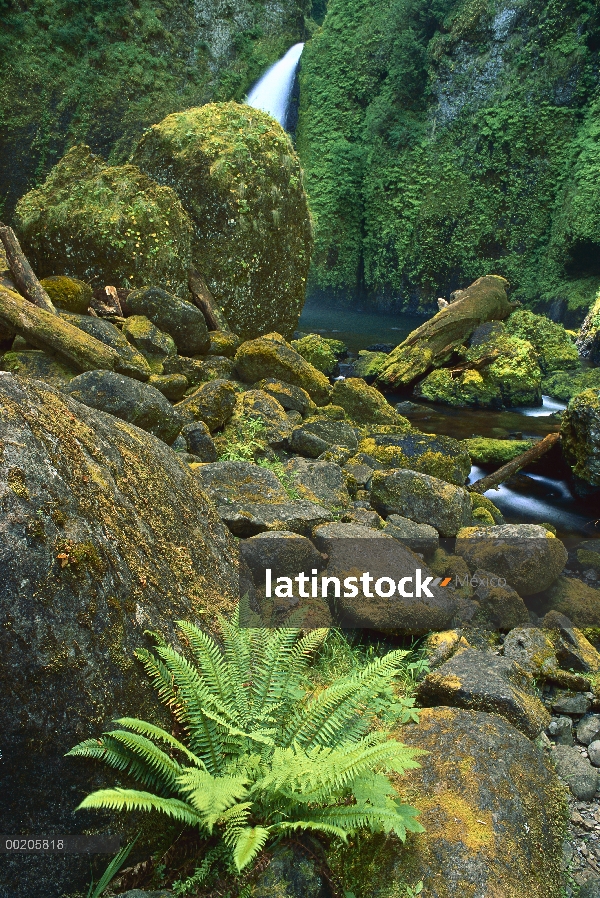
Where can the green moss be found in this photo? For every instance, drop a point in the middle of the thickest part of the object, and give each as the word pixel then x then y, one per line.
pixel 484 450
pixel 553 345
pixel 481 502
pixel 17 482
pixel 68 294
pixel 565 385
pixel 318 351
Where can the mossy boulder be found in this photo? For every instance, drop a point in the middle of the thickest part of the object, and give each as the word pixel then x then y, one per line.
pixel 580 432
pixel 555 349
pixel 291 398
pixel 468 389
pixel 256 405
pixel 493 811
pixel 576 600
pixel 424 499
pixel 237 174
pixel 34 363
pixel 180 319
pixel 484 450
pixel 440 456
pixel 128 399
pixel 155 345
pixel 588 338
pixel 68 294
pixel 271 356
pixel 319 351
pixel 105 534
pixel 108 224
pixel 172 386
pixel 364 404
pixel 212 403
pixel 134 364
pixel 318 481
pixel 369 364
pixel 226 482
pixel 564 385
pixel 223 343
pixel 479 502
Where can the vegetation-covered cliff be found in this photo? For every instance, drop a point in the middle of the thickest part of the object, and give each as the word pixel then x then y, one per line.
pixel 100 72
pixel 444 139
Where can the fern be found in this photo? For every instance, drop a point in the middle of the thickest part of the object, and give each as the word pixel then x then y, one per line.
pixel 262 756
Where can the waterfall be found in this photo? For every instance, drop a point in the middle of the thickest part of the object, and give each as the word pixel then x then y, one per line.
pixel 271 93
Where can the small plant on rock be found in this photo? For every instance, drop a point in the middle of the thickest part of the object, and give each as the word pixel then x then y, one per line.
pixel 263 755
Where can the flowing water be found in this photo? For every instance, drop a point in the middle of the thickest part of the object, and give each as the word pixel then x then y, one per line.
pixel 272 92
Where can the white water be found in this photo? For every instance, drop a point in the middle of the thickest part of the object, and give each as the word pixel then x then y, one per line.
pixel 547 407
pixel 272 92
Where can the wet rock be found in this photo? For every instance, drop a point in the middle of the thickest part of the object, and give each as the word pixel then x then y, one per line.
pixel 576 771
pixel 575 705
pixel 424 499
pixel 594 752
pixel 561 730
pixel 365 404
pixel 319 481
pixel 198 441
pixel 284 552
pixel 438 647
pixel 104 534
pixel 290 397
pixel 580 432
pixel 526 555
pixel 438 456
pixel 317 436
pixel 172 386
pixel 128 399
pixel 212 403
pixel 249 518
pixel 271 356
pixel 176 317
pixel 588 339
pixel 482 681
pixel 68 294
pixel 480 783
pixel 588 729
pixel 154 344
pixel 35 363
pixel 575 599
pixel 575 652
pixel 238 482
pixel 418 537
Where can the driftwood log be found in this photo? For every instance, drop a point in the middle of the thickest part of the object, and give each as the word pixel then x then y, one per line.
pixel 493 481
pixel 434 341
pixel 22 273
pixel 203 298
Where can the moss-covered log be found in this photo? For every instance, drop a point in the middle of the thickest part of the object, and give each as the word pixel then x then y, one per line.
pixel 22 272
pixel 492 481
pixel 427 346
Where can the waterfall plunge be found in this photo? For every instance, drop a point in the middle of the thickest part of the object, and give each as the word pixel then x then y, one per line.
pixel 271 93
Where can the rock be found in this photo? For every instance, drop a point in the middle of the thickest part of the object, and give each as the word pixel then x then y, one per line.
pixel 483 450
pixel 369 364
pixel 580 602
pixel 239 179
pixel 154 345
pixel 318 351
pixel 438 456
pixel 424 499
pixel 133 363
pixel 576 771
pixel 172 386
pixel 103 223
pixel 594 753
pixel 290 397
pixel 212 403
pixel 271 356
pixel 575 652
pixel 418 537
pixel 365 404
pixel 198 441
pixel 34 363
pixel 529 557
pixel 176 317
pixel 219 367
pixel 588 339
pixel 588 729
pixel 195 371
pixel 249 518
pixel 434 340
pixel 128 399
pixel 227 482
pixel 292 872
pixel 531 648
pixel 223 343
pixel 561 730
pixel 575 705
pixel 588 554
pixel 319 481
pixel 316 436
pixel 285 553
pixel 482 681
pixel 352 550
pixel 363 516
pixel 104 534
pixel 68 294
pixel 502 606
pixel 479 784
pixel 482 503
pixel 260 406
pixel 580 433
pixel 564 385
pixel 553 345
pixel 438 647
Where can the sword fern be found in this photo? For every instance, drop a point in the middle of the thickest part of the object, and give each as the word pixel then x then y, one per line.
pixel 261 756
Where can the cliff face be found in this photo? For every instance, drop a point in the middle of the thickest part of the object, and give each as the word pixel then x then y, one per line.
pixel 101 71
pixel 443 140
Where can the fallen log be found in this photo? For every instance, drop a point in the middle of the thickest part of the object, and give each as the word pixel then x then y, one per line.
pixel 22 273
pixel 429 345
pixel 51 333
pixel 205 301
pixel 493 481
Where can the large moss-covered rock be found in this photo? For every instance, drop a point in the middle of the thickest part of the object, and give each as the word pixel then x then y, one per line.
pixel 258 406
pixel 134 363
pixel 484 450
pixel 588 339
pixel 319 351
pixel 110 223
pixel 104 534
pixel 555 349
pixel 424 499
pixel 440 456
pixel 580 432
pixel 493 811
pixel 69 294
pixel 576 600
pixel 212 403
pixel 128 399
pixel 176 317
pixel 271 356
pixel 365 404
pixel 237 174
pixel 564 385
pixel 34 363
pixel 155 345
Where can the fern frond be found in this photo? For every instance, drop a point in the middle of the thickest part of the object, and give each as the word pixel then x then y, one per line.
pixel 210 795
pixel 133 800
pixel 249 842
pixel 210 661
pixel 156 761
pixel 160 678
pixel 150 730
pixel 119 757
pixel 287 826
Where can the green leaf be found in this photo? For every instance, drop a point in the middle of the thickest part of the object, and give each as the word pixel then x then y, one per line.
pixel 249 842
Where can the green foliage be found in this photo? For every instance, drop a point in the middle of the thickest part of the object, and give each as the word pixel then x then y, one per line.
pixel 243 440
pixel 554 347
pixel 318 351
pixel 96 890
pixel 262 755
